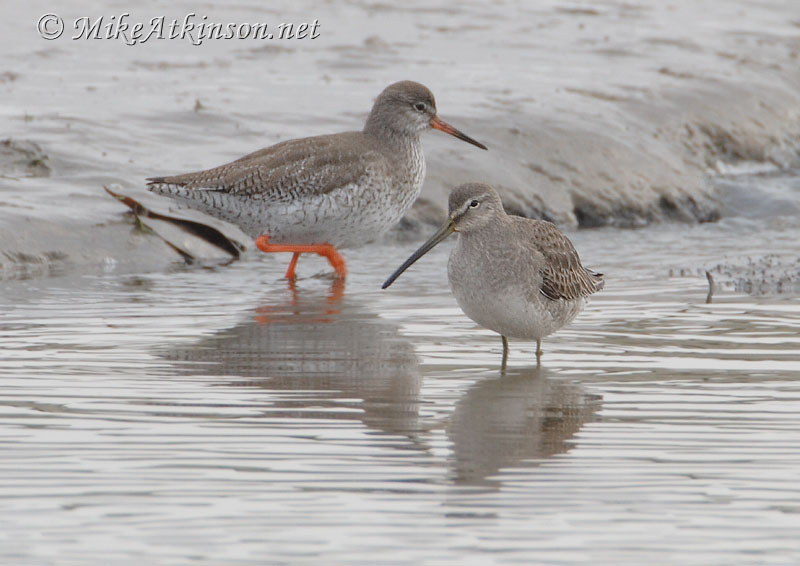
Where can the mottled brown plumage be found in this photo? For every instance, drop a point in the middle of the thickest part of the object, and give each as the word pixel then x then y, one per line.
pixel 563 276
pixel 289 169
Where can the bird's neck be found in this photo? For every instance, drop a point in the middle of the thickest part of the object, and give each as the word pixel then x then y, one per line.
pixel 389 135
pixel 404 146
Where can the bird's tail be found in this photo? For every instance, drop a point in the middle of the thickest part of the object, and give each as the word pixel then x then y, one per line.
pixel 597 278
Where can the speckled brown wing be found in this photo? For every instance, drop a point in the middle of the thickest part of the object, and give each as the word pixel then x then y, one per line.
pixel 563 276
pixel 290 169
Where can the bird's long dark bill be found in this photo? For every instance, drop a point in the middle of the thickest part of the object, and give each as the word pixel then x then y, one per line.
pixel 443 232
pixel 440 124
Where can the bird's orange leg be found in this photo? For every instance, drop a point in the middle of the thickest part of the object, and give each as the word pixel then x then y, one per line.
pixel 325 250
pixel 292 264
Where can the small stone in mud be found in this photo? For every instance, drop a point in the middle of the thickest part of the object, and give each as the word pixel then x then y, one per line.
pixel 22 159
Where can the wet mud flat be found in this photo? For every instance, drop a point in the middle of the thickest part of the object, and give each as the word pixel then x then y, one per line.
pixel 618 114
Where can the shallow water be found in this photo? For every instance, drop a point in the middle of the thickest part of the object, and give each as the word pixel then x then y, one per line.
pixel 216 414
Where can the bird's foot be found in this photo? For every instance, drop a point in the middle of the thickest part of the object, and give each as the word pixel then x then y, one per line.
pixel 325 250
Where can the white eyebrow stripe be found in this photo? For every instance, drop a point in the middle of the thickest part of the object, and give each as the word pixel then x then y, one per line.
pixel 466 206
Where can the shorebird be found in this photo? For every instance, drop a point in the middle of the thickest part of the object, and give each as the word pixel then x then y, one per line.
pixel 520 277
pixel 313 195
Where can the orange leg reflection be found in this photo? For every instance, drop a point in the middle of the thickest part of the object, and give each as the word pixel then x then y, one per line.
pixel 273 313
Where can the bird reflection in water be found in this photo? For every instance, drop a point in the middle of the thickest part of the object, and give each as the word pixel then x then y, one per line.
pixel 317 356
pixel 325 357
pixel 517 419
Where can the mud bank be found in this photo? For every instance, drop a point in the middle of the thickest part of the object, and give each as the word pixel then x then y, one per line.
pixel 597 114
pixel 591 174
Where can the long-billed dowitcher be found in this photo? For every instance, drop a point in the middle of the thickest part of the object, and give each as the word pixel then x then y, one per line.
pixel 519 277
pixel 313 195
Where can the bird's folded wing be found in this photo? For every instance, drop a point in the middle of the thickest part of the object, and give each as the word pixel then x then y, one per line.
pixel 290 169
pixel 563 276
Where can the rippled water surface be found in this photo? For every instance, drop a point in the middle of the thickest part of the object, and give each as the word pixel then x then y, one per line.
pixel 217 415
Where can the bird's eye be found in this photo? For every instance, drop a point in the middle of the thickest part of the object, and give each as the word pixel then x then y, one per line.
pixel 419 107
pixel 474 204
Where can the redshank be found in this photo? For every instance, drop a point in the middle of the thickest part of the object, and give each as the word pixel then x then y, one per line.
pixel 521 278
pixel 313 195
